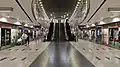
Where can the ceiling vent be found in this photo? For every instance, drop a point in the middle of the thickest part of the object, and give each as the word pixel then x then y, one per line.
pixel 114 9
pixel 6 9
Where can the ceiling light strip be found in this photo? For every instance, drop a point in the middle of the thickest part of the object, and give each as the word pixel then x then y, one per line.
pixel 88 10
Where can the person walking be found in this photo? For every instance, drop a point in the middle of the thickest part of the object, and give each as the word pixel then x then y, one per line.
pixel 28 38
pixel 23 37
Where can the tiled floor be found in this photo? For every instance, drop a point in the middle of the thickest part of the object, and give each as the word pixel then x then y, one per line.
pixel 99 55
pixel 21 56
pixel 61 54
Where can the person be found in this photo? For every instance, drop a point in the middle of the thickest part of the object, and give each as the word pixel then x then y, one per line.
pixel 28 38
pixel 23 38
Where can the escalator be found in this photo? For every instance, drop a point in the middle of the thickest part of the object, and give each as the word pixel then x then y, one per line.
pixel 62 32
pixel 56 33
pixel 60 53
pixel 71 36
pixel 49 36
pixel 59 32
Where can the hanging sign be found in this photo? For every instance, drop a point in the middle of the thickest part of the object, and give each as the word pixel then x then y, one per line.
pixel 6 26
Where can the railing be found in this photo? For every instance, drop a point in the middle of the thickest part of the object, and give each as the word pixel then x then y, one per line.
pixel 53 32
pixel 65 31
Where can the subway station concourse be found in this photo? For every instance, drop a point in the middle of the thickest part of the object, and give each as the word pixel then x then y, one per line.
pixel 59 33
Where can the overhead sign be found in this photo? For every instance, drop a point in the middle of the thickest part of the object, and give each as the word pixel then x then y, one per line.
pixel 6 26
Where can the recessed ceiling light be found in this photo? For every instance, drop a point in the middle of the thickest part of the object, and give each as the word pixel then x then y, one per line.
pixel 79 0
pixel 116 19
pixel 17 23
pixel 41 5
pixel 93 24
pixel 77 5
pixel 51 14
pixel 32 26
pixel 3 19
pixel 67 14
pixel 40 2
pixel 26 25
pixel 101 22
pixel 87 26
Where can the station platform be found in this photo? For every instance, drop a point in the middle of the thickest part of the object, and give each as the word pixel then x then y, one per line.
pixel 22 56
pixel 60 54
pixel 99 55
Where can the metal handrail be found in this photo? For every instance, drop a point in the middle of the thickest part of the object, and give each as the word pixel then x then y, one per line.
pixel 53 32
pixel 65 31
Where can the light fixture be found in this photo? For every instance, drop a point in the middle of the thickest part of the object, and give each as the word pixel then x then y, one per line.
pixel 51 14
pixel 101 22
pixel 32 26
pixel 87 26
pixel 66 17
pixel 79 0
pixel 93 25
pixel 17 23
pixel 114 9
pixel 26 25
pixel 77 5
pixel 3 19
pixel 40 2
pixel 116 19
pixel 67 14
pixel 41 5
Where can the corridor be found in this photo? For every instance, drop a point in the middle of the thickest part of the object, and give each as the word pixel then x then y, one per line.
pixel 61 54
pixel 59 33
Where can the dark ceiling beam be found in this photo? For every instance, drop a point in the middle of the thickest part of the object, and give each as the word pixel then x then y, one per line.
pixel 97 10
pixel 23 10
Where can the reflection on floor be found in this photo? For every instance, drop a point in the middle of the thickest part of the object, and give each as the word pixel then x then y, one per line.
pixel 61 54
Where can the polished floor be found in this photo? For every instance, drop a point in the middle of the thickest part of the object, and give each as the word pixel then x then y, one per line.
pixel 61 54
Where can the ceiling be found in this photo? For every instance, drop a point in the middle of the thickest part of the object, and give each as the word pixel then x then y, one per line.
pixel 103 12
pixel 59 7
pixel 17 11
